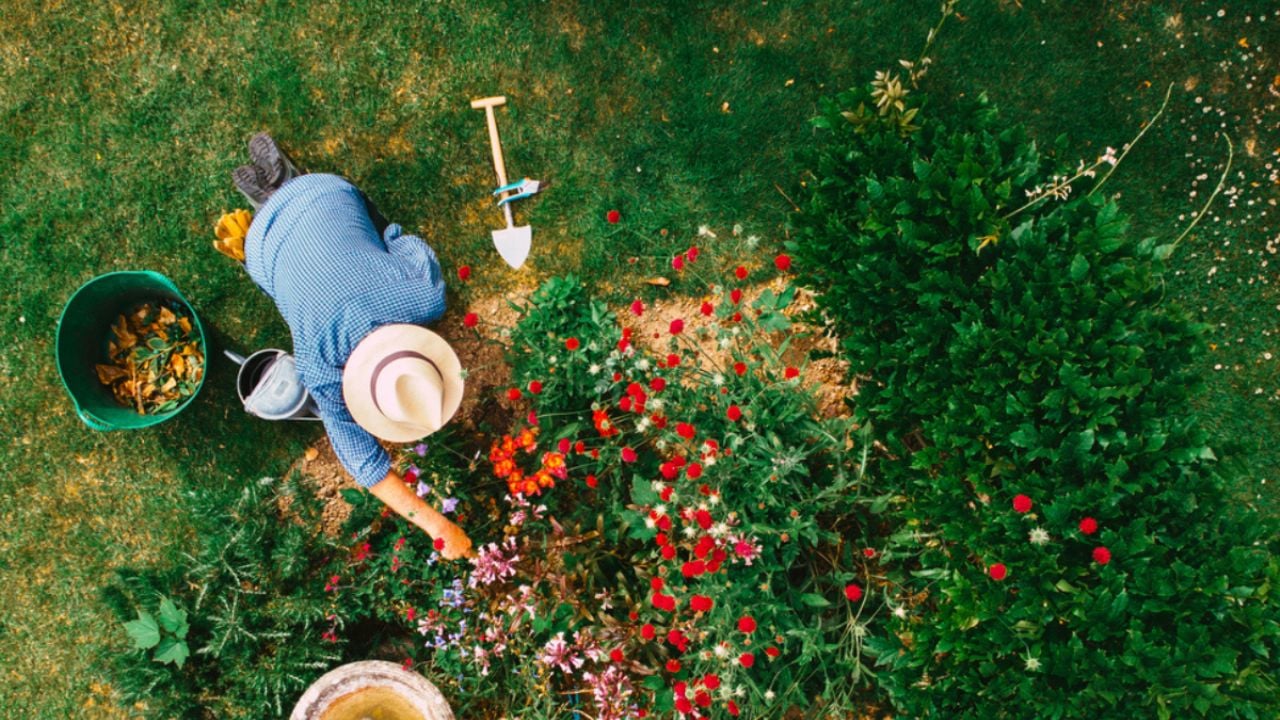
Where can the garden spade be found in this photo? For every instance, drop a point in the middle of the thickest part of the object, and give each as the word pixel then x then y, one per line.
pixel 512 242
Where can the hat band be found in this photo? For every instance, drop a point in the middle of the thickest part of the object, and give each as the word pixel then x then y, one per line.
pixel 400 355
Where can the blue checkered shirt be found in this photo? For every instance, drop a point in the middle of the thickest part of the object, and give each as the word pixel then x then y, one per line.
pixel 313 249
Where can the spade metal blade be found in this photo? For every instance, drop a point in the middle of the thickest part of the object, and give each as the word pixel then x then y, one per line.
pixel 513 244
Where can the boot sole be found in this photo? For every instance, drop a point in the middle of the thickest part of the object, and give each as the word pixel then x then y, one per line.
pixel 277 167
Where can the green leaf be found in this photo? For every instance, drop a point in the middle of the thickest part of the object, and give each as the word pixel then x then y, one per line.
pixel 173 618
pixel 814 600
pixel 144 631
pixel 173 651
pixel 1162 252
pixel 1079 268
pixel 352 496
pixel 642 492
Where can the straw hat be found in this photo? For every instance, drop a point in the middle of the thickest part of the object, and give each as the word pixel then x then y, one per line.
pixel 402 382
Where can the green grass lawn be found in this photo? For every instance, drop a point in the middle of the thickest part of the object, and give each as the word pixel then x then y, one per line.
pixel 120 125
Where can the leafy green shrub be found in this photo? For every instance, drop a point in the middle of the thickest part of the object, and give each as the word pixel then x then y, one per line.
pixel 1065 547
pixel 255 611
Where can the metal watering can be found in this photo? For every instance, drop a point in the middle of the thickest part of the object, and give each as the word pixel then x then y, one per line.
pixel 269 387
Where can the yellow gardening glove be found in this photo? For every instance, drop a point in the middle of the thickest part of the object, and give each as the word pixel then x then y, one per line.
pixel 231 230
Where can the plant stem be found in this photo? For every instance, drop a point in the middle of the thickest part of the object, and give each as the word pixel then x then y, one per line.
pixel 1221 181
pixel 1167 93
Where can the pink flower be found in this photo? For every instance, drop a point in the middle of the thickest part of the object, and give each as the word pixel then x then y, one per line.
pixel 677 263
pixel 628 455
pixel 735 295
pixel 637 308
pixel 677 326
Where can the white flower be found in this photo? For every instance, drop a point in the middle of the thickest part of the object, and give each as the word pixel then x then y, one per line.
pixel 737 229
pixel 1032 663
pixel 721 650
pixel 714 500
pixel 753 241
pixel 690 531
pixel 725 342
pixel 900 612
pixel 642 425
pixel 719 529
pixel 717 379
pixel 649 523
pixel 660 509
pixel 709 461
pixel 642 364
pixel 769 696
pixel 1108 156
pixel 705 231
pixel 657 485
pixel 552 360
pixel 655 404
pixel 1039 536
pixel 859 630
pixel 661 444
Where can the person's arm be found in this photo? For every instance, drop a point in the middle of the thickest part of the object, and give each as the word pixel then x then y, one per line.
pixel 395 494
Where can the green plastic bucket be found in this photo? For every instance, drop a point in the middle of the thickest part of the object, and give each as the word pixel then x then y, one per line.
pixel 84 330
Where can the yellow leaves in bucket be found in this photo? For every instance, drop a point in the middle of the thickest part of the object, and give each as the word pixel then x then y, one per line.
pixel 156 358
pixel 230 231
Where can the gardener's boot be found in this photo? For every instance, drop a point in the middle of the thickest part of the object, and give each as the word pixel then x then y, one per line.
pixel 250 182
pixel 277 168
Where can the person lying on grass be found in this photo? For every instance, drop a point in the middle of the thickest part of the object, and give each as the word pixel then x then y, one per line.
pixel 355 292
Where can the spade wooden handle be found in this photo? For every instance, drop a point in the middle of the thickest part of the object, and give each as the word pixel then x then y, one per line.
pixel 495 144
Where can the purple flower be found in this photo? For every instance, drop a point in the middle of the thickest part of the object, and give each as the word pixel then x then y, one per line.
pixel 449 505
pixel 494 563
pixel 559 654
pixel 420 449
pixel 423 489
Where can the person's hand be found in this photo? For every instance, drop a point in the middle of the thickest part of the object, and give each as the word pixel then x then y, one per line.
pixel 452 543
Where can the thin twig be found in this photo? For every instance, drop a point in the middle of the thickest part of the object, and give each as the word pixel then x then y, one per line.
pixel 1221 181
pixel 1167 93
pixel 788 197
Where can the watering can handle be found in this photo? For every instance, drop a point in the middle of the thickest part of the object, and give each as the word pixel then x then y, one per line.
pixel 92 422
pixel 237 359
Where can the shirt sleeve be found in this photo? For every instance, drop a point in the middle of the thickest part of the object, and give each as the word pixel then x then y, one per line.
pixel 357 450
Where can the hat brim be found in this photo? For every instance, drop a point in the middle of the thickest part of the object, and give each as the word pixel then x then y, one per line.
pixel 358 375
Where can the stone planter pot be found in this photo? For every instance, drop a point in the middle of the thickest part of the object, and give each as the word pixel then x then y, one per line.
pixel 372 690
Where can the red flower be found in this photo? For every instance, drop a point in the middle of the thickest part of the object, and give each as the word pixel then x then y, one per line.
pixel 772 651
pixel 613 216
pixel 782 262
pixel 591 481
pixel 657 384
pixel 513 394
pixel 702 699
pixel 694 471
pixel 616 655
pixel 677 326
pixel 664 602
pixel 868 552
pixel 673 360
pixel 673 666
pixel 734 413
pixel 438 544
pixel 628 455
pixel 535 387
pixel 470 320
pixel 735 295
pixel 733 708
pixel 998 571
pixel 657 583
pixel 703 518
pixel 747 624
pixel 572 344
pixel 685 430
pixel 740 273
pixel 464 273
pixel 1021 503
pixel 668 552
pixel 707 308
pixel 736 317
pixel 701 603
pixel 637 308
pixel 677 263
pixel 740 368
pixel 647 632
pixel 710 681
pixel 683 705
pixel 693 568
pixel 692 253
pixel 706 544
pixel 1101 555
pixel 853 591
pixel 1088 526
pixel 678 639
pixel 791 372
pixel 746 659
